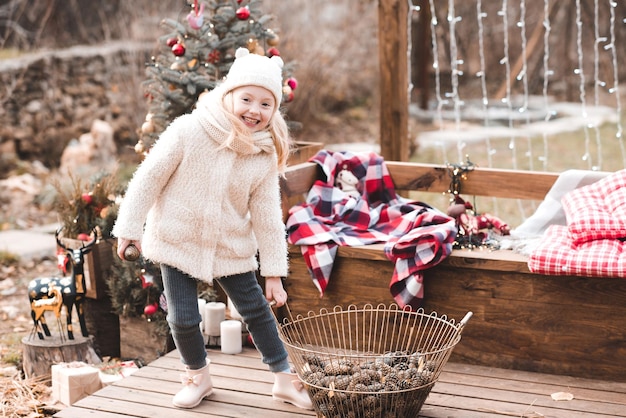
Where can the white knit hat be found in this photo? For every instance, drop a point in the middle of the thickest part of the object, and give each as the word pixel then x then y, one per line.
pixel 255 70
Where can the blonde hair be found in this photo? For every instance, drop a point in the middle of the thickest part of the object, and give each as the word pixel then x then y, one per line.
pixel 277 127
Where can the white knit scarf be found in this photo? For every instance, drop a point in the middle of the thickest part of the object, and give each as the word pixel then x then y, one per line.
pixel 215 122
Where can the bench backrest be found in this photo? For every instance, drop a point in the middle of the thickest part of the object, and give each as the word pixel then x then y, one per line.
pixel 489 182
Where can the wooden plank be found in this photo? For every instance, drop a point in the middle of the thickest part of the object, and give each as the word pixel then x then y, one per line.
pixel 463 391
pixel 495 260
pixel 84 413
pixel 582 292
pixel 499 260
pixel 242 388
pixel 302 151
pixel 534 383
pixel 525 388
pixel 514 393
pixel 534 322
pixel 500 377
pixel 491 182
pixel 371 285
pixel 468 405
pixel 222 403
pixel 298 179
pixel 435 178
pixel 136 403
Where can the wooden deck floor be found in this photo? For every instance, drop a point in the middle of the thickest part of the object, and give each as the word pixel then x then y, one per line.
pixel 243 387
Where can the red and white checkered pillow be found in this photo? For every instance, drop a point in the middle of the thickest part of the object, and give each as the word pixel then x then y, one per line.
pixel 558 255
pixel 597 211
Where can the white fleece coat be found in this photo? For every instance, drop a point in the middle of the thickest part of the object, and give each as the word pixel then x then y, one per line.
pixel 206 210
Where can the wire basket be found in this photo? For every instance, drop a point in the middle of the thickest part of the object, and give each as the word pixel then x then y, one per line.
pixel 370 361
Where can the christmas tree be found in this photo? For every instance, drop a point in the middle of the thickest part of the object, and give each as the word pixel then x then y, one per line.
pixel 197 53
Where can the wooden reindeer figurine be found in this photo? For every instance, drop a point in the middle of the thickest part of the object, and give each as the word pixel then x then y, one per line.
pixel 53 302
pixel 52 293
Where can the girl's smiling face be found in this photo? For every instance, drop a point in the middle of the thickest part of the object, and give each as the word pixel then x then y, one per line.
pixel 254 106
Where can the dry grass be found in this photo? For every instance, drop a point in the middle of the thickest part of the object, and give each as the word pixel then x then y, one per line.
pixel 26 397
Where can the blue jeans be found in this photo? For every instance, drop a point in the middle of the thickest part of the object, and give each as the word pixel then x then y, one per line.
pixel 183 316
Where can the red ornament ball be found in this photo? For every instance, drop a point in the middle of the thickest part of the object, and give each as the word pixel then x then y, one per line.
pixel 273 51
pixel 87 198
pixel 292 82
pixel 150 310
pixel 171 42
pixel 243 13
pixel 178 50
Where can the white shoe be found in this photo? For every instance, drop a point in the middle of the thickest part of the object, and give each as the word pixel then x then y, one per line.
pixel 288 388
pixel 197 385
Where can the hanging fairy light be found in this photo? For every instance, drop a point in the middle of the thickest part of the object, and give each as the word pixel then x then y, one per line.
pixel 615 89
pixel 455 64
pixel 547 73
pixel 523 77
pixel 507 65
pixel 482 74
pixel 598 83
pixel 581 76
pixel 440 101
pixel 412 9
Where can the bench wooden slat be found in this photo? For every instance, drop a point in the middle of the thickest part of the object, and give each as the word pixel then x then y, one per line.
pixel 501 260
pixel 489 182
pixel 512 184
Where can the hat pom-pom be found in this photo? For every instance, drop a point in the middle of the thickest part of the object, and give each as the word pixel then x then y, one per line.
pixel 278 61
pixel 241 52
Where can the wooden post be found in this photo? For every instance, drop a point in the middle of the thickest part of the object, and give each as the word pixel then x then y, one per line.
pixel 421 56
pixel 394 91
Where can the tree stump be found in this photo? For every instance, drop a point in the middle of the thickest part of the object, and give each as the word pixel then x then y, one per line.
pixel 40 355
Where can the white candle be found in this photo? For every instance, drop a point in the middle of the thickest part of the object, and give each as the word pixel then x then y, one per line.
pixel 202 310
pixel 215 314
pixel 230 336
pixel 234 314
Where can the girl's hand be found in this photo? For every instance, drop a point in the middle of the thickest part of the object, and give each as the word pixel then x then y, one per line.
pixel 274 291
pixel 122 243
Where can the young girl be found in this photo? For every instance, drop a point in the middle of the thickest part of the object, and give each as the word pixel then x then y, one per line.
pixel 203 204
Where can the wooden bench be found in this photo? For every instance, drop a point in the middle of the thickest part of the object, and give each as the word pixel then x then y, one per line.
pixel 552 324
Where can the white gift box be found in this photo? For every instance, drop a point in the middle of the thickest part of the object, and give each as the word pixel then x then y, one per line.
pixel 73 381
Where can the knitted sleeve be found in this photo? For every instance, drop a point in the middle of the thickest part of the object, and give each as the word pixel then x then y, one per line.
pixel 266 216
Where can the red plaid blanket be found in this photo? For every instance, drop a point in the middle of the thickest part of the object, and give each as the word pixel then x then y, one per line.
pixel 417 236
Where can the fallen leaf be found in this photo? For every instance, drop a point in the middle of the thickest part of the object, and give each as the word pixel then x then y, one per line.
pixel 562 396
